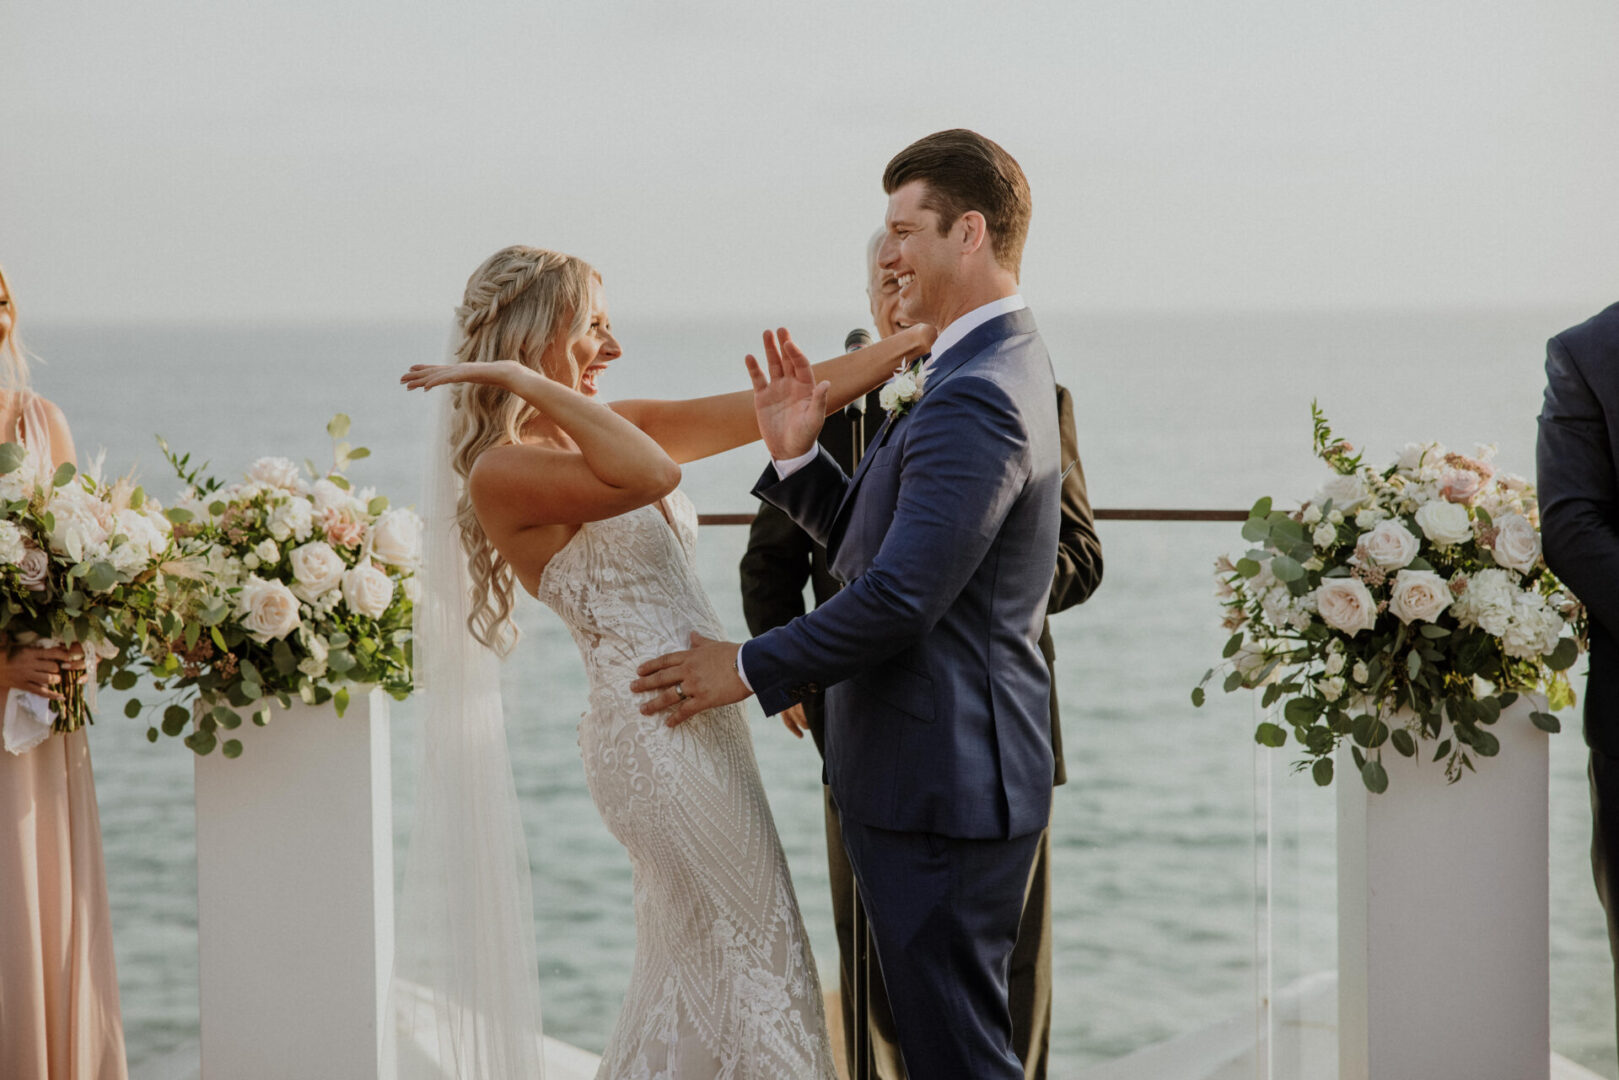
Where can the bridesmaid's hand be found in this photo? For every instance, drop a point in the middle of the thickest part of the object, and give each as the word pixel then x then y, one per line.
pixel 502 373
pixel 40 670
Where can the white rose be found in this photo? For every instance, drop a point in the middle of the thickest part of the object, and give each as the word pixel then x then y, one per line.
pixel 1325 535
pixel 1346 492
pixel 1418 595
pixel 268 608
pixel 1390 545
pixel 899 388
pixel 1444 522
pixel 1335 516
pixel 277 472
pixel 1311 515
pixel 1416 455
pixel 328 496
pixel 1335 662
pixel 316 568
pixel 1331 689
pixel 1360 672
pixel 396 539
pixel 367 590
pixel 1346 605
pixel 1517 545
pixel 12 549
pixel 291 519
pixel 267 552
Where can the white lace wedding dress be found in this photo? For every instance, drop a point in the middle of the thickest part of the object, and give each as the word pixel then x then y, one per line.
pixel 724 985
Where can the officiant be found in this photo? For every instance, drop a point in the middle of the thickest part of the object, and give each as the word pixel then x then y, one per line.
pixel 780 559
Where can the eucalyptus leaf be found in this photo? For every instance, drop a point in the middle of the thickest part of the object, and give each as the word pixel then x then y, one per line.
pixel 1374 776
pixel 123 680
pixel 1563 656
pixel 64 473
pixel 232 748
pixel 1403 742
pixel 1286 569
pixel 132 708
pixel 11 456
pixel 1268 734
pixel 338 426
pixel 1322 772
pixel 1546 722
pixel 1197 696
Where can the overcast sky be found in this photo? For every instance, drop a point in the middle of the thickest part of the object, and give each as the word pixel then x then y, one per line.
pixel 357 158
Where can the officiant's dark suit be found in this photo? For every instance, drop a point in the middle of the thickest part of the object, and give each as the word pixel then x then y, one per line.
pixel 780 559
pixel 1577 462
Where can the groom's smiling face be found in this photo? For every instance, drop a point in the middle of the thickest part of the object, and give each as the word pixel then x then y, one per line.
pixel 924 261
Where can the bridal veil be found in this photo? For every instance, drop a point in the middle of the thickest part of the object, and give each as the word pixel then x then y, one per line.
pixel 464 999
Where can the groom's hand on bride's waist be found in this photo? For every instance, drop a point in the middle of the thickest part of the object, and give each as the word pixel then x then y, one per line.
pixel 686 683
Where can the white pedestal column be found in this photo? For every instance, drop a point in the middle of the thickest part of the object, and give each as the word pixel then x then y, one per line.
pixel 1442 915
pixel 295 895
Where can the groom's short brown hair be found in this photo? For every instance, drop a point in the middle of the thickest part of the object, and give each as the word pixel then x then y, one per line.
pixel 964 171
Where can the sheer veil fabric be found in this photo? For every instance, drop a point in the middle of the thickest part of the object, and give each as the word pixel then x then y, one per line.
pixel 464 1000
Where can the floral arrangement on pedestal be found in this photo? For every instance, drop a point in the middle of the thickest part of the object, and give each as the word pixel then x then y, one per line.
pixel 295 584
pixel 78 557
pixel 1392 601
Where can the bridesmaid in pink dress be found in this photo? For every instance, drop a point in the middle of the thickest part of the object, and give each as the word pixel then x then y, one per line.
pixel 59 1015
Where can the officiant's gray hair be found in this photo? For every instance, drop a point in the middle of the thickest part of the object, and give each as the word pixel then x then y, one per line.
pixel 13 358
pixel 516 304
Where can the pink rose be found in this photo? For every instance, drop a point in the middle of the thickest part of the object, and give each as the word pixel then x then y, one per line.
pixel 36 568
pixel 341 529
pixel 1459 485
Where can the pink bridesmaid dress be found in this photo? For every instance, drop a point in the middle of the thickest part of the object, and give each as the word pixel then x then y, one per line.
pixel 59 1014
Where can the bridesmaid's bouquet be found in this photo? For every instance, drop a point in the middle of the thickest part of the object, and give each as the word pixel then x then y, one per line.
pixel 1394 599
pixel 81 561
pixel 297 585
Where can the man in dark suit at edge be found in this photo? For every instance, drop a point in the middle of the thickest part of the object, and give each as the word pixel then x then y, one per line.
pixel 780 558
pixel 1577 466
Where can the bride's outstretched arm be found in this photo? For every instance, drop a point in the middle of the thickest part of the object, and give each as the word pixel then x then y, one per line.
pixel 698 427
pixel 616 468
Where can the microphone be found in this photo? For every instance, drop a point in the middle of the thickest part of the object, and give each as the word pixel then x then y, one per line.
pixel 857 338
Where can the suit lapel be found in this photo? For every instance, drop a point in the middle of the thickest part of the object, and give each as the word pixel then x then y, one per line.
pixel 944 365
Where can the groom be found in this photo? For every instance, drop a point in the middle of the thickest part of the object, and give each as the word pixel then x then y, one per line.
pixel 938 727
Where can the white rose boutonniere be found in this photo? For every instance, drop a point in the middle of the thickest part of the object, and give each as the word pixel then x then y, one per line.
pixel 902 391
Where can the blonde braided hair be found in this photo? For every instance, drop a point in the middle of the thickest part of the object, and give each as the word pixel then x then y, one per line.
pixel 517 303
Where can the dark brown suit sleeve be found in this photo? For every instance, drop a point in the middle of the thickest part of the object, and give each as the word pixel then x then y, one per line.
pixel 774 570
pixel 1079 552
pixel 1079 558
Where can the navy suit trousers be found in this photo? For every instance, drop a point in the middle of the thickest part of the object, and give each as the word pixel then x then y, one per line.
pixel 944 916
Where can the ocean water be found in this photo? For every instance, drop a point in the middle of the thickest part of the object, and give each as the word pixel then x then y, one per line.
pixel 1155 863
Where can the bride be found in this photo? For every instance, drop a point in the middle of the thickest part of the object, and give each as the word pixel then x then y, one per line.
pixel 576 503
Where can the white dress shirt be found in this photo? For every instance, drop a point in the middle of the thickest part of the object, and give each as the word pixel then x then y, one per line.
pixel 948 337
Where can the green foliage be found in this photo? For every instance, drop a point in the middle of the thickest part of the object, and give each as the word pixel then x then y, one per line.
pixel 1403 676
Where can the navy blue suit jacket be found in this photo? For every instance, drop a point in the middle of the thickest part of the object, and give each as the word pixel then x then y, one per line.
pixel 937 694
pixel 1577 462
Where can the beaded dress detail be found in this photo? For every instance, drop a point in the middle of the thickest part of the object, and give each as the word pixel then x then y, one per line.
pixel 723 985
